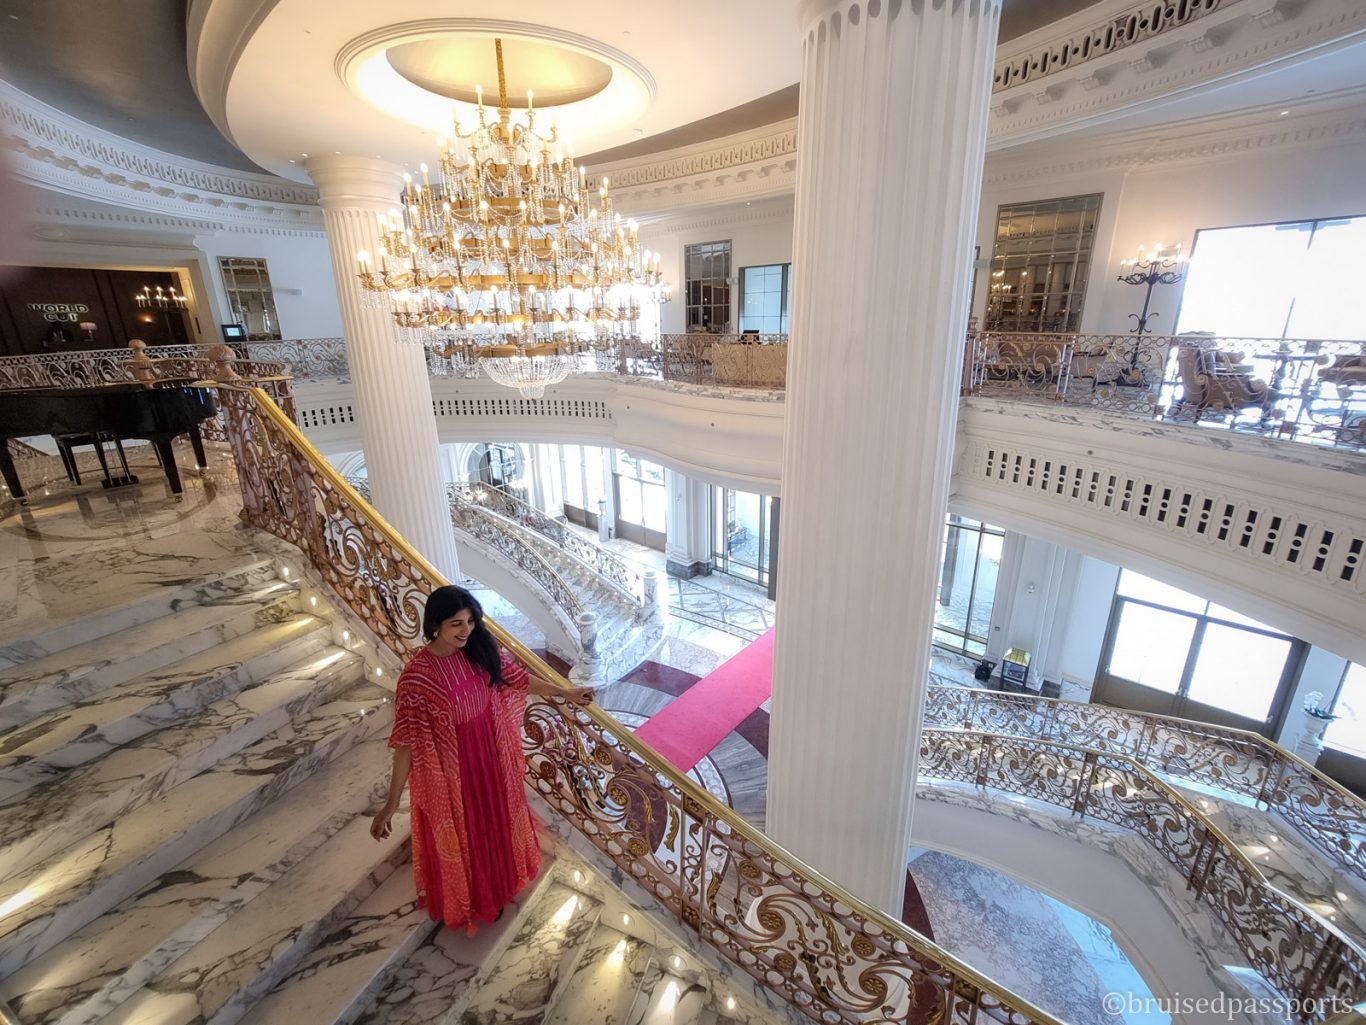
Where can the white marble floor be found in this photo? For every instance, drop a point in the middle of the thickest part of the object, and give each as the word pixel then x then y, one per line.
pixel 1048 952
pixel 75 550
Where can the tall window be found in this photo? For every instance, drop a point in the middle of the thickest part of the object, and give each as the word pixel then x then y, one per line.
pixel 581 477
pixel 1040 263
pixel 765 297
pixel 1175 653
pixel 707 288
pixel 1348 731
pixel 1304 287
pixel 740 534
pixel 247 282
pixel 640 500
pixel 969 565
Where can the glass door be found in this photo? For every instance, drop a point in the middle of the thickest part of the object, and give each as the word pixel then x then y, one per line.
pixel 1173 653
pixel 970 560
pixel 640 500
pixel 740 534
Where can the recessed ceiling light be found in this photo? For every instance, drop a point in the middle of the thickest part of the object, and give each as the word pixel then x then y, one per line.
pixel 1284 112
pixel 337 151
pixel 303 154
pixel 292 161
pixel 638 131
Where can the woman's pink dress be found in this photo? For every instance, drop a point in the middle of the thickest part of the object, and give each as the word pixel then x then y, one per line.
pixel 473 843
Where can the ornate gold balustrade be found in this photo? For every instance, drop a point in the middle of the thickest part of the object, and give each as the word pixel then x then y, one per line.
pixel 810 942
pixel 1329 817
pixel 1303 956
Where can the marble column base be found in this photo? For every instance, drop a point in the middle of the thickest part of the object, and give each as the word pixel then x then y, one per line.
pixel 687 570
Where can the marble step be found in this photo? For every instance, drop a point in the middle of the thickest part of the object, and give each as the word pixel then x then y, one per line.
pixel 549 943
pixel 45 819
pixel 174 597
pixel 73 674
pixel 616 974
pixel 95 969
pixel 432 984
pixel 218 980
pixel 672 1001
pixel 51 900
pixel 38 751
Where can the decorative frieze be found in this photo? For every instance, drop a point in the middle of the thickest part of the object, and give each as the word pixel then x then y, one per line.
pixel 1116 32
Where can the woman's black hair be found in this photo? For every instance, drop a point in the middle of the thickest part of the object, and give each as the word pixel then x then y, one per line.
pixel 481 648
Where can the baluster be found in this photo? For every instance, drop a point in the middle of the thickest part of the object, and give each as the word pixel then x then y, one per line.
pixel 1086 779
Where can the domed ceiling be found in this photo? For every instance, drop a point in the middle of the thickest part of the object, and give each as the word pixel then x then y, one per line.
pixel 121 66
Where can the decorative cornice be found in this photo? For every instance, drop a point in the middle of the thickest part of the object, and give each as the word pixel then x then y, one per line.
pixel 1103 36
pixel 748 165
pixel 1335 120
pixel 56 151
pixel 1233 40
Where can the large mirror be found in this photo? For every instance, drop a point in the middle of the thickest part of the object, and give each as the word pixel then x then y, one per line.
pixel 249 295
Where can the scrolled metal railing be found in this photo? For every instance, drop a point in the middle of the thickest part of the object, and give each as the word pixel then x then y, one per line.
pixel 608 566
pixel 1303 956
pixel 1300 389
pixel 1329 817
pixel 833 957
pixel 307 359
pixel 488 530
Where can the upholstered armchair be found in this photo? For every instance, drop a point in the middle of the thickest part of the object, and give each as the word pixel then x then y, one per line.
pixel 1218 380
pixel 1346 372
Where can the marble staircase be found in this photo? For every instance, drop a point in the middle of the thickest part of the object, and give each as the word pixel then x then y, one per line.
pixel 186 781
pixel 628 632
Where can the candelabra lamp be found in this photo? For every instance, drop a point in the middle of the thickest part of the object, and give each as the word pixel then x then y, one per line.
pixel 1160 265
pixel 162 300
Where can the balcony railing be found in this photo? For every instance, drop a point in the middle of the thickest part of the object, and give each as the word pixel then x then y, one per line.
pixel 1329 817
pixel 1297 389
pixel 613 569
pixel 1307 959
pixel 804 938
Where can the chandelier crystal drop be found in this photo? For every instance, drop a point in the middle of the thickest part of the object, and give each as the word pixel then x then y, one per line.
pixel 502 259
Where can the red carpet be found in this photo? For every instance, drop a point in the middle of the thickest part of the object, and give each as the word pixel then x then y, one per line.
pixel 696 722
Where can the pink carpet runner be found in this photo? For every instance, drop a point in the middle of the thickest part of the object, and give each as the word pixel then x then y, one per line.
pixel 695 722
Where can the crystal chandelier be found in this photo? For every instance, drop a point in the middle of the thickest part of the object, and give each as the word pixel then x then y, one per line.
pixel 503 261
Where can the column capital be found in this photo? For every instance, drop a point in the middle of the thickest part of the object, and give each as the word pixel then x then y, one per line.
pixel 811 12
pixel 355 181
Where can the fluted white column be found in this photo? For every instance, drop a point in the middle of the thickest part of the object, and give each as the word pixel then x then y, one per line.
pixel 392 393
pixel 892 133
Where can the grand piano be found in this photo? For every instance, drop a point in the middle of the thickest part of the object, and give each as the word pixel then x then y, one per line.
pixel 106 413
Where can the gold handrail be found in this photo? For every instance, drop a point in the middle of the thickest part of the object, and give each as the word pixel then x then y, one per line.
pixel 1255 740
pixel 1014 1007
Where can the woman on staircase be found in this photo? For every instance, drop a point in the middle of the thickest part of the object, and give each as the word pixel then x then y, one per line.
pixel 458 739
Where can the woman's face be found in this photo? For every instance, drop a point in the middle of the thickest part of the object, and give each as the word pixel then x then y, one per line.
pixel 456 630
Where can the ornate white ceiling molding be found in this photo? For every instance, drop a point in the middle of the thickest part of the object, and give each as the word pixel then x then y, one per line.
pixel 1229 41
pixel 749 165
pixel 58 152
pixel 1334 120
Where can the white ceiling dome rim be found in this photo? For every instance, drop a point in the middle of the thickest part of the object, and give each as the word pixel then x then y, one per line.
pixel 629 78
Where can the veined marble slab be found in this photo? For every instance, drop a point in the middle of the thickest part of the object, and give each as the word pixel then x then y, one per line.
pixel 51 900
pixel 217 980
pixel 75 673
pixel 390 963
pixel 545 951
pixel 172 597
pixel 38 822
pixel 90 973
pixel 39 751
pixel 609 979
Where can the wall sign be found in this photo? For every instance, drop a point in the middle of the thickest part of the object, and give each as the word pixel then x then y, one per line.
pixel 59 312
